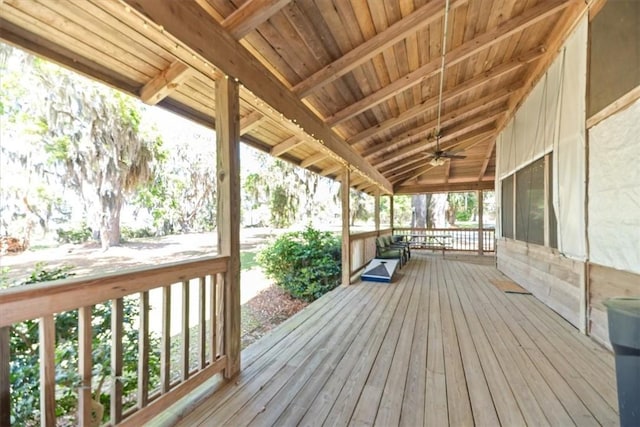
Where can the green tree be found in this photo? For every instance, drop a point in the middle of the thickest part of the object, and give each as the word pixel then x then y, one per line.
pixel 91 136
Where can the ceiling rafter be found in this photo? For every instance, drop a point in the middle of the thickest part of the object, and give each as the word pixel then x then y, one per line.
pixel 202 33
pixel 250 15
pixel 476 82
pixel 479 122
pixel 313 159
pixel 331 170
pixel 455 56
pixel 487 159
pixel 414 175
pixel 418 188
pixel 422 17
pixel 165 82
pixel 455 116
pixel 459 145
pixel 250 122
pixel 286 145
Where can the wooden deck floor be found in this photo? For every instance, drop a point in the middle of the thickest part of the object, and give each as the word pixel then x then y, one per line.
pixel 440 346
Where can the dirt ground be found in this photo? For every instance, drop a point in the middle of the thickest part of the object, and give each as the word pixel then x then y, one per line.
pixel 264 305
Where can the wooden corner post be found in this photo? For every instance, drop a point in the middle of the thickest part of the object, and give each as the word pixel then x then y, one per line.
pixel 377 211
pixel 228 212
pixel 346 237
pixel 480 222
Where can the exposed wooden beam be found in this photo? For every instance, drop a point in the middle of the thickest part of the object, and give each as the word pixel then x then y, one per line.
pixel 595 6
pixel 286 145
pixel 452 135
pixel 250 15
pixel 443 188
pixel 567 22
pixel 186 21
pixel 447 171
pixel 459 147
pixel 165 82
pixel 250 122
pixel 487 159
pixel 447 119
pixel 484 41
pixel 389 170
pixel 474 83
pixel 422 17
pixel 312 160
pixel 331 170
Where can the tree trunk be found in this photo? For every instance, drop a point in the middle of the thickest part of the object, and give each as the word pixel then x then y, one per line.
pixel 439 208
pixel 418 205
pixel 110 220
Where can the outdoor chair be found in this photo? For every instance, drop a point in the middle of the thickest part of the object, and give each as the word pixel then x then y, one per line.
pixel 383 251
pixel 398 241
pixel 388 242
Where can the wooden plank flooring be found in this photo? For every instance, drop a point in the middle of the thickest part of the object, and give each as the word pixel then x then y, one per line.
pixel 440 346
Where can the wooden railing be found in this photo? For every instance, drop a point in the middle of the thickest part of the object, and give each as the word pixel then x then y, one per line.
pixel 363 248
pixel 179 373
pixel 458 239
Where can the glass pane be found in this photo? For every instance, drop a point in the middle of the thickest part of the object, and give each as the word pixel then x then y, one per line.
pixel 530 203
pixel 507 207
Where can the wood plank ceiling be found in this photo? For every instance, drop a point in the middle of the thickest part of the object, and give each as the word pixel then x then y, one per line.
pixel 326 83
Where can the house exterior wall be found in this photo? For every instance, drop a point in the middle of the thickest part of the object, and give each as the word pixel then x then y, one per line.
pixel 552 120
pixel 602 225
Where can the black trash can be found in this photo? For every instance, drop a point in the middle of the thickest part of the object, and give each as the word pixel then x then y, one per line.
pixel 624 334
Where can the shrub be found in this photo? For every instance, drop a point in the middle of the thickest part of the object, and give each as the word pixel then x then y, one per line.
pixel 305 264
pixel 128 233
pixel 74 235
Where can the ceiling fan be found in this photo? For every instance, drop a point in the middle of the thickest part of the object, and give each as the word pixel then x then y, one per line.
pixel 439 156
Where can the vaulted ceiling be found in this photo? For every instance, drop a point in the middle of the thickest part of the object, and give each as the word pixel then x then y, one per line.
pixel 326 84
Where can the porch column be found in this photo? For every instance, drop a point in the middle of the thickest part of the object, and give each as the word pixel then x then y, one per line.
pixel 346 236
pixel 228 213
pixel 480 196
pixel 376 214
pixel 391 211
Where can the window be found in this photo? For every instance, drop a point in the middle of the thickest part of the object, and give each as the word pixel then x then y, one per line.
pixel 507 207
pixel 530 201
pixel 553 222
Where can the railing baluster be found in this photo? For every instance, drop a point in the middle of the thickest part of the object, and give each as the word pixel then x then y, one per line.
pixel 185 330
pixel 117 320
pixel 213 331
pixel 202 317
pixel 85 338
pixel 221 319
pixel 47 329
pixel 5 387
pixel 165 352
pixel 143 351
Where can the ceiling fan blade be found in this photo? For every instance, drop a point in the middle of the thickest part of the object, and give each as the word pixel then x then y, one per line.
pixel 452 155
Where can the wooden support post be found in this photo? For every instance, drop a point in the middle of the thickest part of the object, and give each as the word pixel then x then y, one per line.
pixel 346 236
pixel 391 211
pixel 47 328
pixel 480 195
pixel 228 215
pixel 5 388
pixel 377 211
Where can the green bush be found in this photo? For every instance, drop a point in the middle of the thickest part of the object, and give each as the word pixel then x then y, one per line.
pixel 305 264
pixel 74 235
pixel 24 370
pixel 128 233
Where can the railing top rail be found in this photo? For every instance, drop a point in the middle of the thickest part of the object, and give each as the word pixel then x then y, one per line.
pixel 33 301
pixel 365 234
pixel 452 230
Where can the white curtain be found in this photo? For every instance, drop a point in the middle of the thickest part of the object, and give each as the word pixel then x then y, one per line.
pixel 614 191
pixel 552 118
